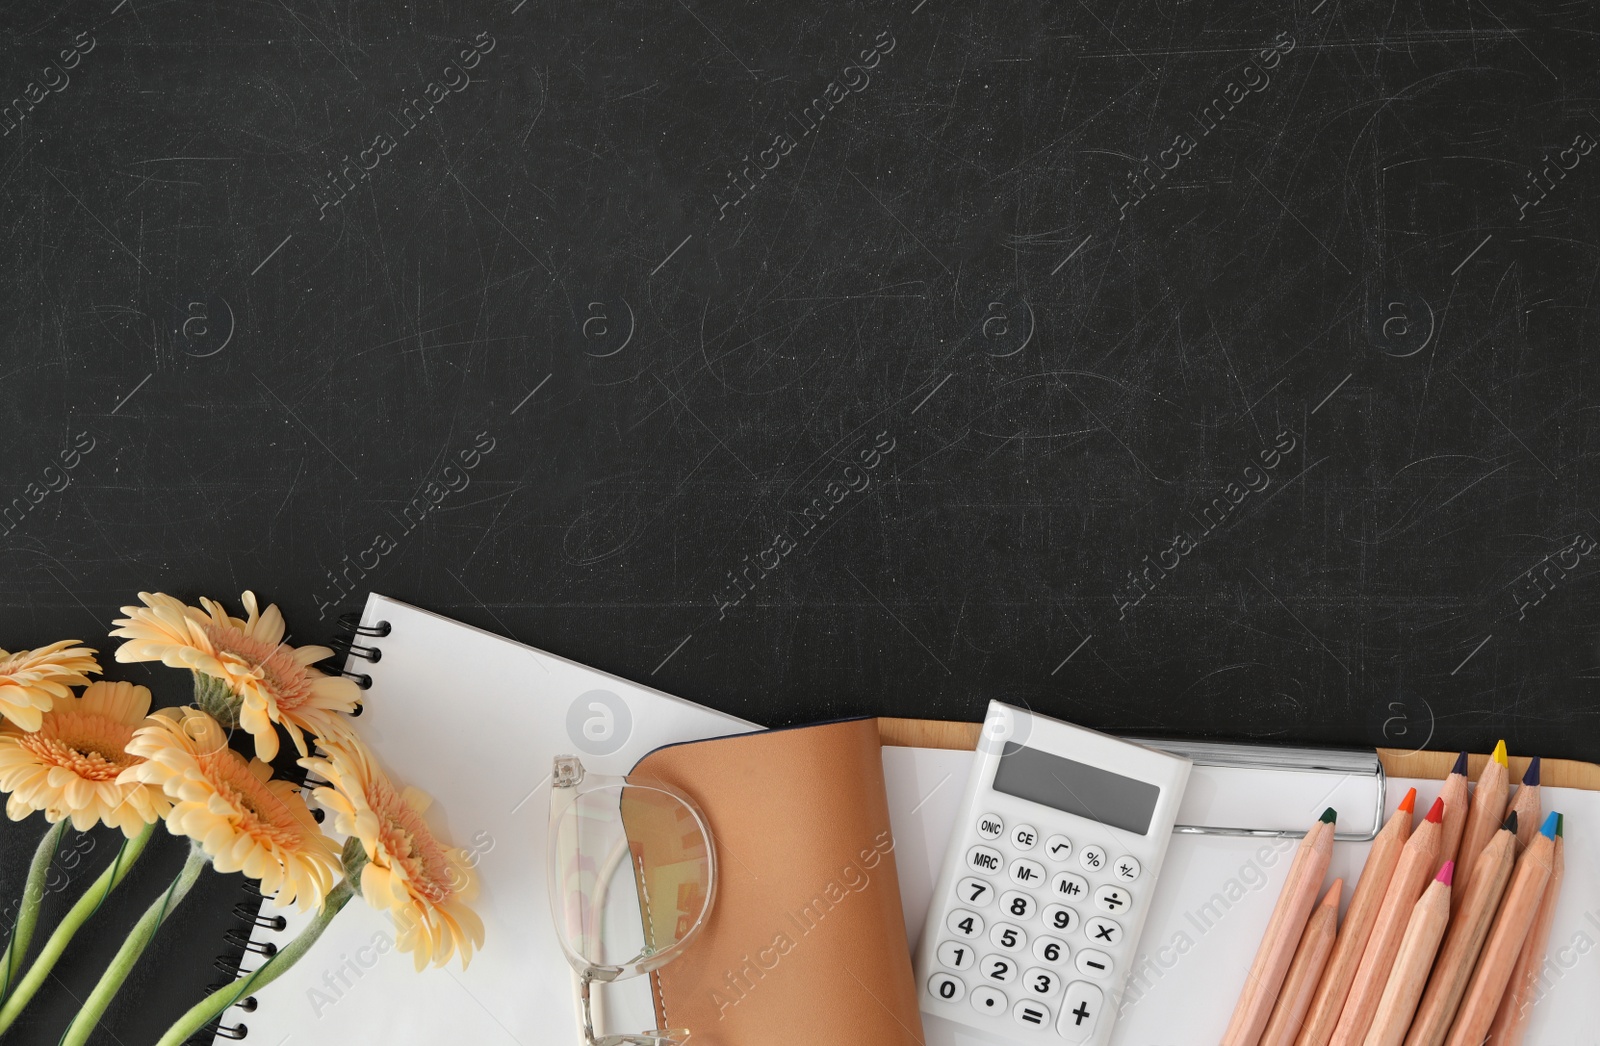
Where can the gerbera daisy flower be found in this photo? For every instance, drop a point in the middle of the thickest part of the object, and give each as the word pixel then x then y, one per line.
pixel 264 680
pixel 31 679
pixel 244 821
pixel 71 765
pixel 424 884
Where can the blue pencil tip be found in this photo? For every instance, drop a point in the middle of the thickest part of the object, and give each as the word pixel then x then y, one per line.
pixel 1532 776
pixel 1549 829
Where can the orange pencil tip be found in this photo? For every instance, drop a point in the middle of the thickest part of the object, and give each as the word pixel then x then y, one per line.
pixel 1409 803
pixel 1436 811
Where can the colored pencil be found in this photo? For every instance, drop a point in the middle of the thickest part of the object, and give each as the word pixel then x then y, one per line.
pixel 1417 863
pixel 1411 966
pixel 1511 1023
pixel 1328 1002
pixel 1511 926
pixel 1487 811
pixel 1316 944
pixel 1282 936
pixel 1526 805
pixel 1469 926
pixel 1457 802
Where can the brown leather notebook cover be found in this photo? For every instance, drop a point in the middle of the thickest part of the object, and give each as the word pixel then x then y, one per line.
pixel 806 942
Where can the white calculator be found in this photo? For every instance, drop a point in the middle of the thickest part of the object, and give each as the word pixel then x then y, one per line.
pixel 1049 875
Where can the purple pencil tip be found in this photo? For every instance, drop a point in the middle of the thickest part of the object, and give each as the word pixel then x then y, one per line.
pixel 1532 776
pixel 1461 765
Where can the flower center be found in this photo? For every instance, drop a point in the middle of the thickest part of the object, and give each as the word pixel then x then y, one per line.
pixel 261 814
pixel 86 744
pixel 406 838
pixel 285 677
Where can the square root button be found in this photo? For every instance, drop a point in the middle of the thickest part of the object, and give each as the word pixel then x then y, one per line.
pixel 1080 1012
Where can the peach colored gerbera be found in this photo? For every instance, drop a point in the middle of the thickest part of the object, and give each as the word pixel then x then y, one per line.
pixel 31 679
pixel 267 681
pixel 424 884
pixel 71 766
pixel 241 818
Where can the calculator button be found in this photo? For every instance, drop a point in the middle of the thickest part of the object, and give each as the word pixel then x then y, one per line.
pixel 1095 964
pixel 1032 1014
pixel 1080 1012
pixel 1009 937
pixel 1060 917
pixel 1026 873
pixel 1069 885
pixel 1018 904
pixel 1125 868
pixel 1058 848
pixel 1113 899
pixel 1024 837
pixel 963 923
pixel 1043 983
pixel 1050 949
pixel 1092 858
pixel 1001 969
pixel 955 955
pixel 990 827
pixel 945 987
pixel 982 859
pixel 975 892
pixel 988 1000
pixel 1102 931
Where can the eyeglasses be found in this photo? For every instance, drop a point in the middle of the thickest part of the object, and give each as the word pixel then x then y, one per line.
pixel 632 876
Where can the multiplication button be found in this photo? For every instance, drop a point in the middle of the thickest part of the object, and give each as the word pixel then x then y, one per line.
pixel 1102 932
pixel 982 859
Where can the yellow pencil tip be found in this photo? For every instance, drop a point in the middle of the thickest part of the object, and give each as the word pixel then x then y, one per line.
pixel 1500 754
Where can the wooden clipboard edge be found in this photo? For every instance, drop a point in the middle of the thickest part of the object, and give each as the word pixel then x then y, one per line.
pixel 1557 773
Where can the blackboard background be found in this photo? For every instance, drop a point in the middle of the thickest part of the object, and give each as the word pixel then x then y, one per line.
pixel 943 267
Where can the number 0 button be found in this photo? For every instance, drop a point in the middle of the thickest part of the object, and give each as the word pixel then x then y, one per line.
pixel 947 988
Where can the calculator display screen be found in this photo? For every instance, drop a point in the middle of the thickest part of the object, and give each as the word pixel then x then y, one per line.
pixel 1077 788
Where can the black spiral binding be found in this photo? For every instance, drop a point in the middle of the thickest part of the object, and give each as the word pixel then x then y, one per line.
pixel 248 911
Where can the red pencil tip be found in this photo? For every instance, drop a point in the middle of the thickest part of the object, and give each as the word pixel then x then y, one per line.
pixel 1436 811
pixel 1447 872
pixel 1409 803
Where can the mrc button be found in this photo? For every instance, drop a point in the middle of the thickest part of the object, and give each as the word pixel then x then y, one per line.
pixel 982 859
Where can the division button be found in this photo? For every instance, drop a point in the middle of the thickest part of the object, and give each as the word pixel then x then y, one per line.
pixel 990 826
pixel 1113 899
pixel 1125 868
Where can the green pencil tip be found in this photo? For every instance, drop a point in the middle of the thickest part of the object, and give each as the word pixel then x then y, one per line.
pixel 1561 824
pixel 1329 816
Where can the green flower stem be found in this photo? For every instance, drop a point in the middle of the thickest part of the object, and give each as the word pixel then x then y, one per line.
pixel 210 1008
pixel 28 914
pixel 144 931
pixel 87 905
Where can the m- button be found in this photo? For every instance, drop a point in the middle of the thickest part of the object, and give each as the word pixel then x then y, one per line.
pixel 982 859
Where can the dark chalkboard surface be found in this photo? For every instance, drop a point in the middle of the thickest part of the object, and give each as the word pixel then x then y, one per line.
pixel 1224 369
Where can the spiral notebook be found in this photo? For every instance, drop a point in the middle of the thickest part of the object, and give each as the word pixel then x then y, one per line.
pixel 474 720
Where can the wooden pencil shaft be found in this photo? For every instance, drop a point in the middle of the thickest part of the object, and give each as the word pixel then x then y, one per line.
pixel 1510 1025
pixel 1487 811
pixel 1510 931
pixel 1417 864
pixel 1288 921
pixel 1310 958
pixel 1457 805
pixel 1403 988
pixel 1357 928
pixel 1525 803
pixel 1463 939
